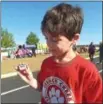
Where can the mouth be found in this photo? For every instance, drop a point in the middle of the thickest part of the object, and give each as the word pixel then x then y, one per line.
pixel 52 50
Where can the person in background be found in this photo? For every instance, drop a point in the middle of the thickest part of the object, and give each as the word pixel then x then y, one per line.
pixel 19 53
pixel 34 51
pixel 91 51
pixel 101 52
pixel 75 49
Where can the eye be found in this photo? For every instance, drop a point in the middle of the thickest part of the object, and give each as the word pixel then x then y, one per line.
pixel 56 39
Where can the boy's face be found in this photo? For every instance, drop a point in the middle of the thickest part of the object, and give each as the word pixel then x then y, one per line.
pixel 58 45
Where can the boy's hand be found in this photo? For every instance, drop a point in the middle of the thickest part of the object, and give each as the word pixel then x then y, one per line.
pixel 24 72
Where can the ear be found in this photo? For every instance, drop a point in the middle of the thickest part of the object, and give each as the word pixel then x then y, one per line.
pixel 76 38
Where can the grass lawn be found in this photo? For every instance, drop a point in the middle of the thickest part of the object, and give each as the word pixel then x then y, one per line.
pixel 8 66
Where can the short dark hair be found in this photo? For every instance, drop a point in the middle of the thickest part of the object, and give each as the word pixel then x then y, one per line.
pixel 63 19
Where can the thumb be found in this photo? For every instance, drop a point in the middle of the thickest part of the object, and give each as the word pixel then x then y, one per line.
pixel 23 77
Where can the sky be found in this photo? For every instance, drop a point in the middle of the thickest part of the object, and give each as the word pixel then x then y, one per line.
pixel 21 18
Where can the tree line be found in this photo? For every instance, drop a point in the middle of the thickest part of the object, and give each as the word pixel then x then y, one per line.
pixel 7 39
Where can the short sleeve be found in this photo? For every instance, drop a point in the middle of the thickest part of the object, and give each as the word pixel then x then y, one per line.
pixel 93 86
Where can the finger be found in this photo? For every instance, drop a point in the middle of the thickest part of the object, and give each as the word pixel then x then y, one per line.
pixel 23 77
pixel 16 68
pixel 27 71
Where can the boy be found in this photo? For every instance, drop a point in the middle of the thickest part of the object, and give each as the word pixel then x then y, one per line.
pixel 65 77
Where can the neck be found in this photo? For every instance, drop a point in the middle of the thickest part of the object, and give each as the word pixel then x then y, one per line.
pixel 66 57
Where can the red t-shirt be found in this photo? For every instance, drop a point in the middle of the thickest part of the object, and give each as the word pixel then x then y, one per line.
pixel 75 82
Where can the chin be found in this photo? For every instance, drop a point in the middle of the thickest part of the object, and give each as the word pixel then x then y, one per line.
pixel 55 54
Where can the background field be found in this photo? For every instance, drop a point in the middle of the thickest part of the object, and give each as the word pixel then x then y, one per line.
pixel 8 65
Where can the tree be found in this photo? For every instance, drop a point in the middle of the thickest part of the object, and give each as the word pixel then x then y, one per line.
pixel 7 39
pixel 32 39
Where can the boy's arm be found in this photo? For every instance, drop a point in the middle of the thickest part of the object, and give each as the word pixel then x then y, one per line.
pixel 35 83
pixel 93 87
pixel 31 81
pixel 26 75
